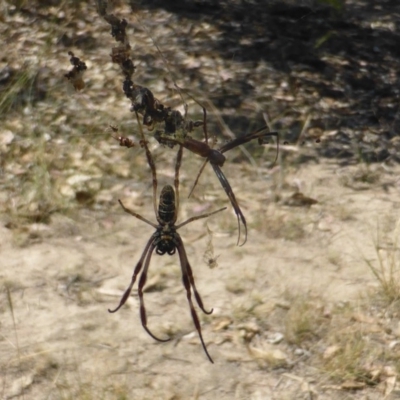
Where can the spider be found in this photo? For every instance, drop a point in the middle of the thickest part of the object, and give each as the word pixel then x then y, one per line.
pixel 217 158
pixel 165 240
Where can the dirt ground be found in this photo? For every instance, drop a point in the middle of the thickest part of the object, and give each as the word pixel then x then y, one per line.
pixel 308 308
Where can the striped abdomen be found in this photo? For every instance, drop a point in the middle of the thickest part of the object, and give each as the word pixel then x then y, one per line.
pixel 166 207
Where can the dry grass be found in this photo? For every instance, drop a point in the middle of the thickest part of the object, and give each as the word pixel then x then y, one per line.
pixel 360 177
pixel 304 321
pixel 59 162
pixel 351 354
pixel 70 390
pixel 287 225
pixel 386 267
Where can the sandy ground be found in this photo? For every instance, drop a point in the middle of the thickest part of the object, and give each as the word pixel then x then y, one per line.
pixel 298 312
pixel 64 343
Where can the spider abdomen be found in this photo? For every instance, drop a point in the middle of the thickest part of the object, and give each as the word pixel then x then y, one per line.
pixel 165 242
pixel 166 208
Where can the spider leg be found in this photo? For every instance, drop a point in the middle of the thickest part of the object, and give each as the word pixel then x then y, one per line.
pixel 198 176
pixel 201 105
pixel 261 141
pixel 259 134
pixel 176 181
pixel 150 161
pixel 142 282
pixel 204 122
pixel 188 282
pixel 187 271
pixel 198 217
pixel 206 138
pixel 136 271
pixel 136 215
pixel 228 190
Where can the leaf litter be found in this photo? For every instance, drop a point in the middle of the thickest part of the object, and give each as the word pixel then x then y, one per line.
pixel 54 141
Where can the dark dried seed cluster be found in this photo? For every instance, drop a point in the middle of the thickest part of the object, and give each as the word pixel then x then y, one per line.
pixel 76 73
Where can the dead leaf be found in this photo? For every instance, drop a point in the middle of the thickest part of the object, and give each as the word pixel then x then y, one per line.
pixel 6 137
pixel 270 354
pixel 353 385
pixel 362 318
pixel 19 385
pixel 330 352
pixel 221 324
pixel 299 200
pixel 390 384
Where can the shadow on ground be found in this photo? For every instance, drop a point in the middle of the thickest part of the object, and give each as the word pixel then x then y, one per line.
pixel 349 58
